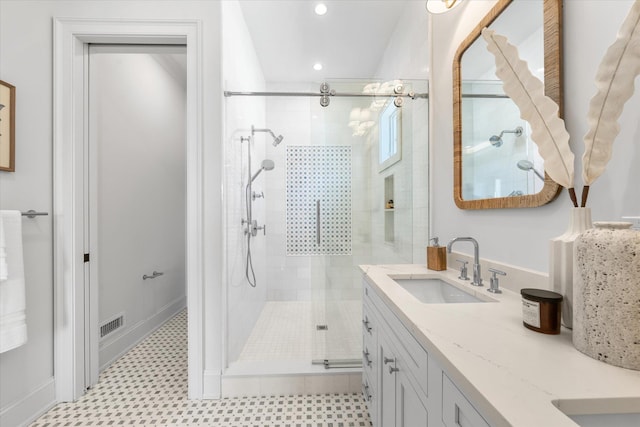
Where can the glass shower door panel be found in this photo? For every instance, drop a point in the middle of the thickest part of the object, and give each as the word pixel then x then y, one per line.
pixel 344 219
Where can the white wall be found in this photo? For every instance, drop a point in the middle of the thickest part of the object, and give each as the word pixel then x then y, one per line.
pixel 137 126
pixel 521 236
pixel 26 40
pixel 407 57
pixel 241 72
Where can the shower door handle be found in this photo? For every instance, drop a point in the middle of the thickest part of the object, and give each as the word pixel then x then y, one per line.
pixel 318 222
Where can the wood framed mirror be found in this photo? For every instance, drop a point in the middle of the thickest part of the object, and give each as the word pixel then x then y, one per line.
pixel 496 164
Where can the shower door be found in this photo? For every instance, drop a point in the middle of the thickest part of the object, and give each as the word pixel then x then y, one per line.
pixel 341 228
pixel 319 226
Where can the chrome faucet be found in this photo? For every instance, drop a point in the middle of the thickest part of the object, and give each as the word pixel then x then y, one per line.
pixel 477 279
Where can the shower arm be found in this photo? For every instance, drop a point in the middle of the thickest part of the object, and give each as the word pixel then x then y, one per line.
pixel 518 131
pixel 254 130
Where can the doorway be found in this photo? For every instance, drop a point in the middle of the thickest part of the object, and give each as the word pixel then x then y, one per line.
pixel 70 53
pixel 136 196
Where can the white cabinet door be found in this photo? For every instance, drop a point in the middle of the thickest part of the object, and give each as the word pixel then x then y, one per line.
pixel 387 382
pixel 410 408
pixel 457 411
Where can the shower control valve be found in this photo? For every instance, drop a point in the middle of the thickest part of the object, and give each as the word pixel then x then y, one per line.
pixel 255 195
pixel 254 228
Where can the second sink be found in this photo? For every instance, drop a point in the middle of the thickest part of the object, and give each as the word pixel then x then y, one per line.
pixel 436 291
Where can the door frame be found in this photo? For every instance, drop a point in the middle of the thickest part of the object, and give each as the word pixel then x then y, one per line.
pixel 70 139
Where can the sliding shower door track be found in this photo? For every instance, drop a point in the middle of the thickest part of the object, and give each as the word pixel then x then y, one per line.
pixel 326 93
pixel 338 363
pixel 229 93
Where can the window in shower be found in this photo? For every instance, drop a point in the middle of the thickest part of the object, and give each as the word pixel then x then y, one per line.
pixel 390 138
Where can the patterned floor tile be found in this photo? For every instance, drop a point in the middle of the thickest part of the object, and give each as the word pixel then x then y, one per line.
pixel 148 387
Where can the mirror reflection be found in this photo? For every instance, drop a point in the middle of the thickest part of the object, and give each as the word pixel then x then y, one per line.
pixel 496 163
pixel 499 159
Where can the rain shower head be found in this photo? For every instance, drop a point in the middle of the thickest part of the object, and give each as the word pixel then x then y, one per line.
pixel 496 140
pixel 267 165
pixel 276 139
pixel 527 165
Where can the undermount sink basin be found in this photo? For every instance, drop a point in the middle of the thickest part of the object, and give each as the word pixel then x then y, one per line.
pixel 620 412
pixel 436 291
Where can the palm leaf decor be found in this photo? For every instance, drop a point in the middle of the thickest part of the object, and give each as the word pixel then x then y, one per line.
pixel 527 92
pixel 614 81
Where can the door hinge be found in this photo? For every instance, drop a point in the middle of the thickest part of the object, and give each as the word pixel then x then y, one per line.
pixel 86 257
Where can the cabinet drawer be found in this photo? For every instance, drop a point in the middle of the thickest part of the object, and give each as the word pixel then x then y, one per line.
pixel 371 398
pixel 456 409
pixel 416 359
pixel 370 325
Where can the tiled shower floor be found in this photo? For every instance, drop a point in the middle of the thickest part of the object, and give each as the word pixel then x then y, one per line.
pixel 148 386
pixel 286 331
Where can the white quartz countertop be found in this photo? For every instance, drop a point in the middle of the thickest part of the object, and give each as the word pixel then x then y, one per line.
pixel 511 374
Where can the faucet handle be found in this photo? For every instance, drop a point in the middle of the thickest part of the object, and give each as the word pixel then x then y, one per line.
pixel 463 269
pixel 495 284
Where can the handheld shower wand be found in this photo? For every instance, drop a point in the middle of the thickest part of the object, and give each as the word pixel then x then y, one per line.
pixel 526 165
pixel 267 165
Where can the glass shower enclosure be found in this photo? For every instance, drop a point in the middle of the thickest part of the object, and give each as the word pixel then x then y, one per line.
pixel 331 203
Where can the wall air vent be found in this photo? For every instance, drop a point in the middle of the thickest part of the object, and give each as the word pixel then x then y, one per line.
pixel 111 326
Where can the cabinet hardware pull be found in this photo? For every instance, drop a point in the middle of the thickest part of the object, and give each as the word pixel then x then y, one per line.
pixel 366 357
pixel 389 360
pixel 366 392
pixel 365 322
pixel 392 369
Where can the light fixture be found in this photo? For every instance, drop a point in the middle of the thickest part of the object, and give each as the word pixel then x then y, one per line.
pixel 441 6
pixel 317 66
pixel 321 9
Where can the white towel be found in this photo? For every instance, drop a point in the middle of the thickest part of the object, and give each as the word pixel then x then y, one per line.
pixel 13 325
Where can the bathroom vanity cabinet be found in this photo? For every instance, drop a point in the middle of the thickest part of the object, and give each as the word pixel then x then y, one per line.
pixel 475 364
pixel 403 385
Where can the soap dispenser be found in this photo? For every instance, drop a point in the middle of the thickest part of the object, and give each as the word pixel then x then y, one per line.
pixel 436 256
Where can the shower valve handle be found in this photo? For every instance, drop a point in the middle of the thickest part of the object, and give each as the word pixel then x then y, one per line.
pixel 255 228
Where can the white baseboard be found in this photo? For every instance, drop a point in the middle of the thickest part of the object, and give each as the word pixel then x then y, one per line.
pixel 32 406
pixel 115 349
pixel 211 385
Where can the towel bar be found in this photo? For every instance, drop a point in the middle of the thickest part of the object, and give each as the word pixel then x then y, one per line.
pixel 153 275
pixel 32 214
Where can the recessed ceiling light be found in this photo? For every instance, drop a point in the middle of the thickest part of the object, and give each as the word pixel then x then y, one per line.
pixel 321 9
pixel 317 66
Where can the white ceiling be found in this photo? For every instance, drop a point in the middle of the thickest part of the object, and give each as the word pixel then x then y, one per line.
pixel 349 40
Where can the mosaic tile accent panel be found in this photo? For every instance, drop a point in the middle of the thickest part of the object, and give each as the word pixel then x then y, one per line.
pixel 318 173
pixel 148 387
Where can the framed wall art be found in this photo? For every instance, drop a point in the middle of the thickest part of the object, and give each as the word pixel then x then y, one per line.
pixel 7 126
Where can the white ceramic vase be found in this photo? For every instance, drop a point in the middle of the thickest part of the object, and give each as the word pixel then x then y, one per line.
pixel 561 260
pixel 606 317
